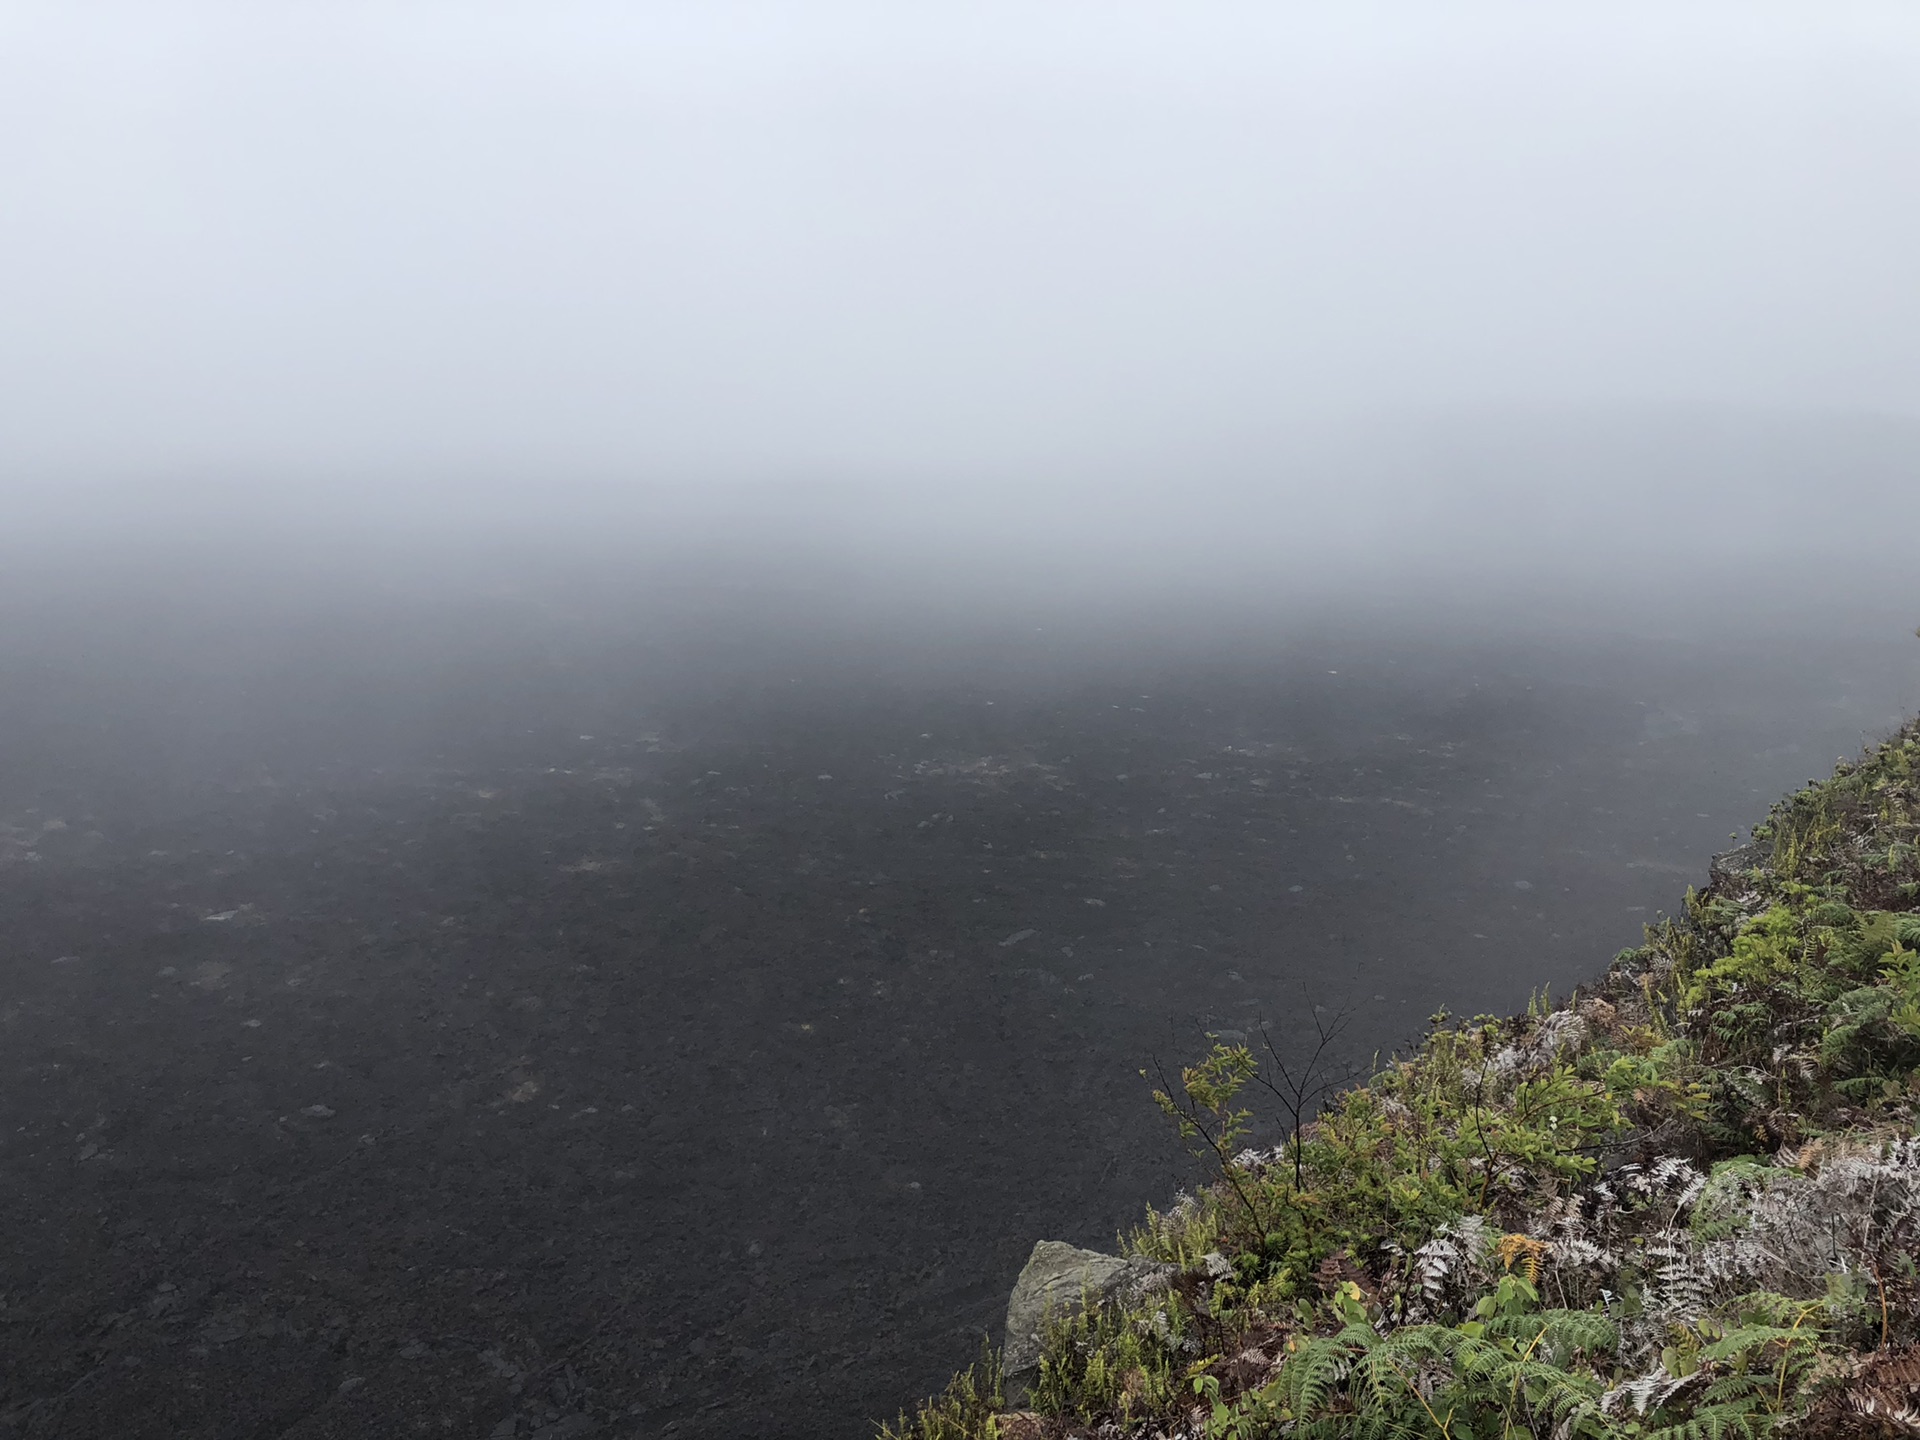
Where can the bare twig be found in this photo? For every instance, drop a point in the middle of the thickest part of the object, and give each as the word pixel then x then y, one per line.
pixel 1302 1086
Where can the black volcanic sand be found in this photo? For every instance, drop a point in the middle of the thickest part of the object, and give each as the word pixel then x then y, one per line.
pixel 464 1028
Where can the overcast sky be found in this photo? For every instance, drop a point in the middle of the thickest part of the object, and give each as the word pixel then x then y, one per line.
pixel 926 242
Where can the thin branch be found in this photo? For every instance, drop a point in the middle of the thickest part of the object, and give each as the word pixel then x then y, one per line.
pixel 1301 1087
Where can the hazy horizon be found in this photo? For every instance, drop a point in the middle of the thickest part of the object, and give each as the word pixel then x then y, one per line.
pixel 361 257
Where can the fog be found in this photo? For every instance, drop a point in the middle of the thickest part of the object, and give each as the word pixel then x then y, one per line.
pixel 344 253
pixel 646 651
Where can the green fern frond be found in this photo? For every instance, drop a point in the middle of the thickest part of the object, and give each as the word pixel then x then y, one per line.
pixel 1738 1387
pixel 1740 1345
pixel 1735 1421
pixel 1558 1331
pixel 1312 1375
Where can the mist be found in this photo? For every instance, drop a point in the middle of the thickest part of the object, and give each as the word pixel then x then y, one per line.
pixel 646 652
pixel 333 252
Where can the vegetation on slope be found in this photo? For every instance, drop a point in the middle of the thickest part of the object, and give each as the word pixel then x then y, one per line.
pixel 1684 1204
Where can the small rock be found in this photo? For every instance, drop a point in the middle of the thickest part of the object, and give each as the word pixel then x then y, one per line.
pixel 351 1384
pixel 1057 1279
pixel 319 1112
pixel 1732 871
pixel 1017 937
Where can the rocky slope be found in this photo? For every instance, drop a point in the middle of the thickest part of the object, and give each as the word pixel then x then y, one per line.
pixel 1685 1202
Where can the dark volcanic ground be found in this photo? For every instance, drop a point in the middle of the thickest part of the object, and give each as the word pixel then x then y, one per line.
pixel 490 1024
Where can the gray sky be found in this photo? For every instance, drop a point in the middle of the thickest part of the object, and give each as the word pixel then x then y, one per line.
pixel 924 243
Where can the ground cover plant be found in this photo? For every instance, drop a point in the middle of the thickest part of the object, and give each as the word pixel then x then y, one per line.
pixel 1683 1203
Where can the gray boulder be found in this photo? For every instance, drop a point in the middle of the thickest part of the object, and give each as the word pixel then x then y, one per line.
pixel 1059 1279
